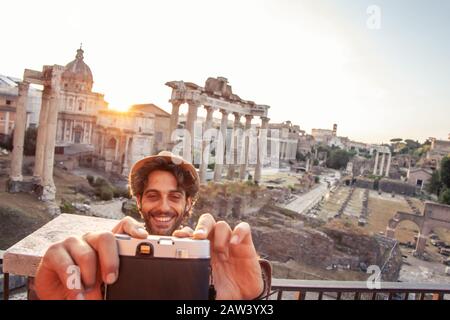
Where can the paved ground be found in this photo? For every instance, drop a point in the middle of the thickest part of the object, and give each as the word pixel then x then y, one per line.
pixel 305 201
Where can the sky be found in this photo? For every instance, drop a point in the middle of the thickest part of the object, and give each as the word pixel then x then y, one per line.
pixel 378 73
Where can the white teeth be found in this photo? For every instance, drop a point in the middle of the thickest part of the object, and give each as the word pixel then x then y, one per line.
pixel 163 219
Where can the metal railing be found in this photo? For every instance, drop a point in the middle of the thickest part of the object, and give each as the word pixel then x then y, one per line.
pixel 290 289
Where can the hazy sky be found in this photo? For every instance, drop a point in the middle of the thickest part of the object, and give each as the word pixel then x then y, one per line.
pixel 314 62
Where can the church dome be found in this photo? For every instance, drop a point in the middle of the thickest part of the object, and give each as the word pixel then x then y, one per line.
pixel 77 74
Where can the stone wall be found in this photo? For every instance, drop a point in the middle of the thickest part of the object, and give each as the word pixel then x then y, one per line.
pixel 398 187
pixel 364 183
pixel 327 249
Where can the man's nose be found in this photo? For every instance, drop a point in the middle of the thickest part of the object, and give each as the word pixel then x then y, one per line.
pixel 164 204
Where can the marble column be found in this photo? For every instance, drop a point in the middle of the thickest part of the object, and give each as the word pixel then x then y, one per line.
pixel 248 124
pixel 220 148
pixel 125 158
pixel 188 145
pixel 102 148
pixel 262 148
pixel 234 146
pixel 388 166
pixel 205 155
pixel 41 136
pixel 116 151
pixel 19 132
pixel 383 158
pixel 6 128
pixel 376 163
pixel 49 191
pixel 174 116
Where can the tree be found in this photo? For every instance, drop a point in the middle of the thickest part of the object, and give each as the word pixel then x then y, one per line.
pixel 396 140
pixel 29 147
pixel 338 159
pixel 7 141
pixel 300 156
pixel 445 171
pixel 434 185
pixel 445 196
pixel 411 144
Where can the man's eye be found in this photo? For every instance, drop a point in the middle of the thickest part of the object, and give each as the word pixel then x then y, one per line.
pixel 152 196
pixel 176 196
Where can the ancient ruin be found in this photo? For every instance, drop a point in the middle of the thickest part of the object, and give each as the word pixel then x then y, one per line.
pixel 217 95
pixel 434 216
pixel 382 167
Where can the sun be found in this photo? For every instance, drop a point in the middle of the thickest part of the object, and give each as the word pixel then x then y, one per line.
pixel 119 108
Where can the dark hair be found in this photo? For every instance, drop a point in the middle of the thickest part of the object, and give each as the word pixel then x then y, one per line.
pixel 185 180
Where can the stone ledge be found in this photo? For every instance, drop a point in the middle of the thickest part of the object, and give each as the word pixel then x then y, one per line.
pixel 23 258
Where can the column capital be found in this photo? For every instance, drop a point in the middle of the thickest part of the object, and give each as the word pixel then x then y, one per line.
pixel 209 108
pixel 248 117
pixel 265 120
pixel 176 102
pixel 193 103
pixel 23 86
pixel 224 112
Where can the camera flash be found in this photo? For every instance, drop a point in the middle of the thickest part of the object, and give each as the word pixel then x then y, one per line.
pixel 145 249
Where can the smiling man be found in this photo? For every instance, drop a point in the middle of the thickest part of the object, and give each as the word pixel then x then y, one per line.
pixel 165 187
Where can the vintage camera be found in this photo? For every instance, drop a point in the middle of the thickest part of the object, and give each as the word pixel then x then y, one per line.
pixel 161 268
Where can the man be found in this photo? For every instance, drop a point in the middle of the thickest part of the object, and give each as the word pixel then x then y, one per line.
pixel 165 187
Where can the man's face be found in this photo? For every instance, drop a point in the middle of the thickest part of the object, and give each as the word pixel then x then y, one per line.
pixel 163 205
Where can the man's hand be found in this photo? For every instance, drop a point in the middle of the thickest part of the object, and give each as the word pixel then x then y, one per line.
pixel 96 256
pixel 235 266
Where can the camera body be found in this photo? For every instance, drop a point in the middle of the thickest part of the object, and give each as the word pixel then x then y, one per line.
pixel 161 268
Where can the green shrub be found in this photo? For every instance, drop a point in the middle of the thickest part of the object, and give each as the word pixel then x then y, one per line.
pixel 90 179
pixel 106 193
pixel 121 192
pixel 67 207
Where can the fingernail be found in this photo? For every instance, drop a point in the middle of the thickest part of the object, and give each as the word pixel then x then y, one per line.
pixel 111 278
pixel 199 231
pixel 142 231
pixel 80 296
pixel 234 239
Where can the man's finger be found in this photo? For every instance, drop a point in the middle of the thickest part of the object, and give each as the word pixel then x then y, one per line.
pixel 85 258
pixel 241 234
pixel 185 232
pixel 106 246
pixel 131 227
pixel 204 226
pixel 58 261
pixel 222 235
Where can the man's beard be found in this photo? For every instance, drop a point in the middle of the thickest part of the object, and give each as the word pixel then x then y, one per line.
pixel 153 227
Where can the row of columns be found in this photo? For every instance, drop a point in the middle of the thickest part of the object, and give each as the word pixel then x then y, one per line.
pixel 45 142
pixel 220 149
pixel 378 169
